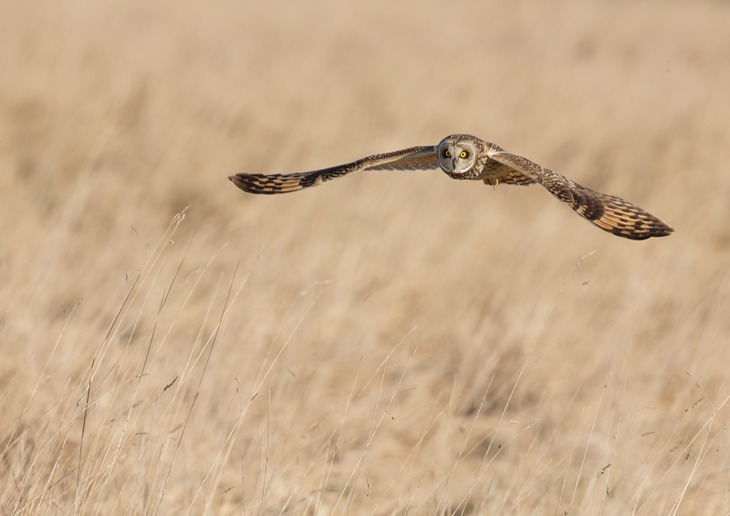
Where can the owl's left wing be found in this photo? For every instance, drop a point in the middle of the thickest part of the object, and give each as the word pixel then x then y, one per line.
pixel 608 212
pixel 412 158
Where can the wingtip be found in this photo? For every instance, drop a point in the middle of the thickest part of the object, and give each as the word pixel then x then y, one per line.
pixel 658 231
pixel 662 229
pixel 666 232
pixel 236 179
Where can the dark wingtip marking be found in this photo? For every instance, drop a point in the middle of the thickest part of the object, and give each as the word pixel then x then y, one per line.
pixel 267 184
pixel 642 231
pixel 240 181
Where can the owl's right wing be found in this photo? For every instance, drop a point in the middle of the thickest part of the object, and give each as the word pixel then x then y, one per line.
pixel 412 158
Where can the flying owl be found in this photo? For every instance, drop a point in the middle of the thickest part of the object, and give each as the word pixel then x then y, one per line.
pixel 462 156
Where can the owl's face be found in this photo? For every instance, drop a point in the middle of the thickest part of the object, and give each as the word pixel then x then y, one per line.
pixel 457 156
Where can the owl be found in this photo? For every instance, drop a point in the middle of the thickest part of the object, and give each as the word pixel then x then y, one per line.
pixel 462 156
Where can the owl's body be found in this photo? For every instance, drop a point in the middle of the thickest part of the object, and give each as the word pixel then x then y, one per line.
pixel 462 156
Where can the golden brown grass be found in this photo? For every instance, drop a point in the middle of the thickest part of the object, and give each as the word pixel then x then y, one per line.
pixel 387 343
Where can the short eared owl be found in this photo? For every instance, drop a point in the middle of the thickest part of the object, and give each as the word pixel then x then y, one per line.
pixel 463 156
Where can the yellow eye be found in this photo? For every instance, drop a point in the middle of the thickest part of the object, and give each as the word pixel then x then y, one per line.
pixel 447 154
pixel 463 154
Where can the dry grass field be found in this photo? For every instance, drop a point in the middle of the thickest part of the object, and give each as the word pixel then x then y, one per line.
pixel 388 343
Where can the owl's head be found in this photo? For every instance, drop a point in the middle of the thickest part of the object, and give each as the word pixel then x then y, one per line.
pixel 458 156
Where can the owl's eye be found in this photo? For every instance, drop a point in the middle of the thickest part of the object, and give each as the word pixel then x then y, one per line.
pixel 463 154
pixel 447 153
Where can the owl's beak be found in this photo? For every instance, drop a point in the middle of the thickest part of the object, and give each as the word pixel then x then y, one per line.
pixel 453 164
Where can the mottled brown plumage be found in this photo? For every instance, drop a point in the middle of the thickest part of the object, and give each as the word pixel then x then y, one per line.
pixel 462 156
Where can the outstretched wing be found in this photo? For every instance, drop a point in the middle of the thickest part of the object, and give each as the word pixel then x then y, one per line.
pixel 413 158
pixel 608 212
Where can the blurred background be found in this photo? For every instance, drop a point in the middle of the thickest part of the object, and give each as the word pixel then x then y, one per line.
pixel 391 342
